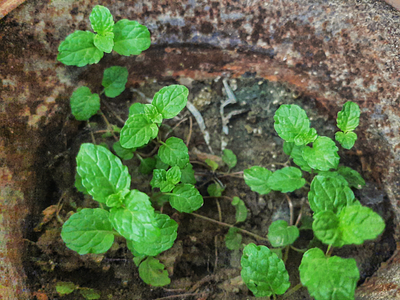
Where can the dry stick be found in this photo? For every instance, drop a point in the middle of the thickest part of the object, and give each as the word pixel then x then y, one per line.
pixel 300 214
pixel 290 209
pixel 91 133
pixel 190 131
pixel 258 237
pixel 112 111
pixel 109 125
pixel 173 128
pixel 216 252
pixel 219 210
pixel 201 282
pixel 178 296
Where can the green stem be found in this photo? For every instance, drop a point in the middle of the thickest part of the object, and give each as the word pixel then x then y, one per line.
pixel 258 237
pixel 292 291
pixel 298 250
pixel 286 255
pixel 329 251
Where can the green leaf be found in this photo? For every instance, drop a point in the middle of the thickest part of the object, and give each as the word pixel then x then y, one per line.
pixel 84 104
pixel 152 113
pixel 130 37
pixel 349 117
pixel 170 100
pixel 164 180
pixel 102 172
pixel 297 156
pixel 136 221
pixel 78 49
pixel 117 199
pixel 287 179
pixel 124 153
pixel 280 234
pixel 288 147
pixel 323 155
pixel 347 139
pixel 104 42
pixel 174 175
pixel 215 190
pixel 359 223
pixel 88 231
pixel 174 152
pixel 136 109
pixel 293 125
pixel 354 225
pixel 263 272
pixel 168 234
pixel 352 176
pixel 114 80
pixel 78 184
pixel 89 294
pixel 188 174
pixel 212 164
pixel 233 239
pixel 152 272
pixel 229 158
pixel 160 164
pixel 101 19
pixel 147 165
pixel 241 209
pixel 256 178
pixel 65 288
pixel 159 176
pixel 329 192
pixel 137 131
pixel 332 278
pixel 186 198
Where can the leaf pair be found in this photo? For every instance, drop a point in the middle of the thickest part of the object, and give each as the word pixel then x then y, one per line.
pixel 142 124
pixel 347 120
pixel 84 47
pixel 262 180
pixel 339 219
pixel 84 104
pixel 107 180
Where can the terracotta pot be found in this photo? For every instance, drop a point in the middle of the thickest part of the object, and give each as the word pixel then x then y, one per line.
pixel 331 52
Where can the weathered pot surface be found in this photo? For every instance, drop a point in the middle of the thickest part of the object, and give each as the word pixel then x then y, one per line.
pixel 331 52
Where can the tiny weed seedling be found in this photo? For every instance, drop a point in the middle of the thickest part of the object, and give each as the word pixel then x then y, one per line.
pixel 339 219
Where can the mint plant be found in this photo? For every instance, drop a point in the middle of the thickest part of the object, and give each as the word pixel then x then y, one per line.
pixel 125 37
pixel 339 219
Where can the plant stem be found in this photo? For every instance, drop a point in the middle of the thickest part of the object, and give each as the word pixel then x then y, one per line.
pixel 292 290
pixel 112 111
pixel 190 131
pixel 258 237
pixel 109 125
pixel 298 250
pixel 286 254
pixel 290 209
pixel 329 251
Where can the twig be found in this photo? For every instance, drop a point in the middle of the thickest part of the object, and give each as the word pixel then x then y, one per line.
pixel 91 134
pixel 216 252
pixel 199 118
pixel 201 282
pixel 109 125
pixel 258 237
pixel 173 128
pixel 177 296
pixel 219 210
pixel 114 113
pixel 190 131
pixel 300 214
pixel 290 209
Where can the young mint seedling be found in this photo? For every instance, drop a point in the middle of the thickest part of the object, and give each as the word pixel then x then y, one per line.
pixel 339 218
pixel 84 47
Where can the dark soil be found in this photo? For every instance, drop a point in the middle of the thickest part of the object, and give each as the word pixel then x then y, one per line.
pixel 199 264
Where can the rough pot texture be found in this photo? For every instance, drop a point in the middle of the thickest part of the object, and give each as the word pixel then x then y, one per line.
pixel 330 51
